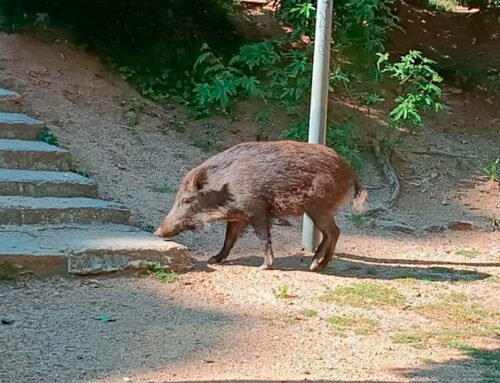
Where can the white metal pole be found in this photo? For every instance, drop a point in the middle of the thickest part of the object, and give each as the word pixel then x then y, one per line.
pixel 319 99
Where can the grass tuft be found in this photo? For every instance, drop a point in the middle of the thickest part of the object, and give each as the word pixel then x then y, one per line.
pixel 468 253
pixel 359 326
pixel 282 292
pixel 8 272
pixel 162 188
pixel 309 313
pixel 453 322
pixel 416 339
pixel 364 294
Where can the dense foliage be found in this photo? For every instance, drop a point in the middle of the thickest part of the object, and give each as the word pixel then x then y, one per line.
pixel 191 49
pixel 153 43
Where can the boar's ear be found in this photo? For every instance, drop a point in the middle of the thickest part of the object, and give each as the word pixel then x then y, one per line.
pixel 199 179
pixel 216 198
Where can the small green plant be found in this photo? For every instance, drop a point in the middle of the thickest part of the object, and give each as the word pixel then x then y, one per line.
pixel 42 21
pixel 364 294
pixel 491 170
pixel 300 14
pixel 45 135
pixel 263 116
pixel 162 188
pixel 370 99
pixel 157 271
pixel 309 313
pixel 359 219
pixel 8 272
pixel 216 83
pixel 135 111
pixel 282 292
pixel 75 168
pixel 360 326
pixel 494 222
pixel 468 253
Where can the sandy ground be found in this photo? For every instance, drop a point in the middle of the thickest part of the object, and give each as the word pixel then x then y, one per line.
pixel 225 323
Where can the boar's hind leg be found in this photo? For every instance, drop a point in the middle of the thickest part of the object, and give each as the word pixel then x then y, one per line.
pixel 262 228
pixel 233 231
pixel 326 224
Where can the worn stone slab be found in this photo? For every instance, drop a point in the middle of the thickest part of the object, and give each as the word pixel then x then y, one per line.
pixel 50 210
pixel 32 155
pixel 9 101
pixel 38 183
pixel 82 249
pixel 19 126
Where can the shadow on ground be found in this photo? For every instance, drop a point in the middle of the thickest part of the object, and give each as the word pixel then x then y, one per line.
pixel 72 332
pixel 354 266
pixel 477 365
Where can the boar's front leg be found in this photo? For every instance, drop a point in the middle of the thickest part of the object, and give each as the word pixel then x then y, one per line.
pixel 262 228
pixel 233 231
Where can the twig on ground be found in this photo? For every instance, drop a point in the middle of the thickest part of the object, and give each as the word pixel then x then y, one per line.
pixel 439 153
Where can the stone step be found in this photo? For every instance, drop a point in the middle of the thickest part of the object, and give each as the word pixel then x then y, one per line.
pixel 81 249
pixel 32 155
pixel 19 126
pixel 49 210
pixel 35 183
pixel 9 101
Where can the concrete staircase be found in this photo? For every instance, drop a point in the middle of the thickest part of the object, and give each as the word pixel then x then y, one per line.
pixel 51 220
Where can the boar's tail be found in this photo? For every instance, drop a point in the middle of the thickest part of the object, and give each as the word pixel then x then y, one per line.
pixel 360 196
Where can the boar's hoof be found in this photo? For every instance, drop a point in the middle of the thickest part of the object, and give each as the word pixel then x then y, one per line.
pixel 214 260
pixel 315 265
pixel 265 267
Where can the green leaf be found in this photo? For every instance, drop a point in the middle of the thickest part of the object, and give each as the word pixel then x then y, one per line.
pixel 382 58
pixel 202 58
pixel 104 318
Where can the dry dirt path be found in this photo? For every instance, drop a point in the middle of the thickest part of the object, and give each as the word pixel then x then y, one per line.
pixel 226 322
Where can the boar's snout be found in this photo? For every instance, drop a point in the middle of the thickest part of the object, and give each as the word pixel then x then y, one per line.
pixel 158 232
pixel 166 229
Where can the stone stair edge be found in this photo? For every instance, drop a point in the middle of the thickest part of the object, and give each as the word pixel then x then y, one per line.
pixel 88 249
pixel 13 144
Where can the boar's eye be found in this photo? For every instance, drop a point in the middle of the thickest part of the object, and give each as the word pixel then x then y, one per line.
pixel 185 201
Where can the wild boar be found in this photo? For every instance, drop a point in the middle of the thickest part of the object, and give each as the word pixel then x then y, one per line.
pixel 257 183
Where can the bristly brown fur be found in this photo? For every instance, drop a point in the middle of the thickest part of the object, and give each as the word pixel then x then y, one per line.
pixel 257 183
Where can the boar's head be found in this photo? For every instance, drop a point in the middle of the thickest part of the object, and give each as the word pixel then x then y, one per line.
pixel 196 203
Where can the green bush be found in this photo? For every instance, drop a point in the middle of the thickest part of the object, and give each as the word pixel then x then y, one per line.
pixel 361 25
pixel 418 88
